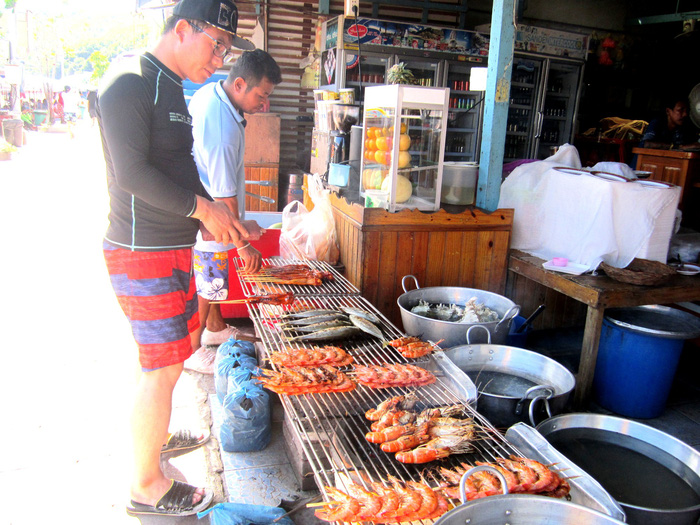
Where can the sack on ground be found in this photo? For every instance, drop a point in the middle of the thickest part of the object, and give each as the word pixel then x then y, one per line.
pixel 224 367
pixel 236 346
pixel 310 234
pixel 243 514
pixel 240 378
pixel 247 424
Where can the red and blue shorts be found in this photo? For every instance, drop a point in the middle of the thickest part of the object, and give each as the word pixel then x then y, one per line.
pixel 156 291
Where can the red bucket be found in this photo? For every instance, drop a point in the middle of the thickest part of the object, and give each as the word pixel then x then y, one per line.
pixel 269 246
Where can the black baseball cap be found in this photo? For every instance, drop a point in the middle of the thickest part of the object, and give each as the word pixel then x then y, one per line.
pixel 222 14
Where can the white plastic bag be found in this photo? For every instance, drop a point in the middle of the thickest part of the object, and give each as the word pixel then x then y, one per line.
pixel 310 234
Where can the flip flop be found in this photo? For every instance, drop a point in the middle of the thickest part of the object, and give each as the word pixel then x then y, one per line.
pixel 176 502
pixel 183 441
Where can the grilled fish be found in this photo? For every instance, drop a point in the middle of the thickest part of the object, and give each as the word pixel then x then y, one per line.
pixel 329 334
pixel 351 310
pixel 316 319
pixel 364 325
pixel 316 327
pixel 308 313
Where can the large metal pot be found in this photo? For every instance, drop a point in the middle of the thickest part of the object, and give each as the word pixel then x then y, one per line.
pixel 524 509
pixel 514 385
pixel 453 334
pixel 653 476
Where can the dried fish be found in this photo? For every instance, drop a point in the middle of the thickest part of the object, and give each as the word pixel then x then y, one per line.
pixel 364 325
pixel 329 334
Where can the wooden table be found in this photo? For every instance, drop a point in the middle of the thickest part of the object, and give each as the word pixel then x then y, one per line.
pixel 598 293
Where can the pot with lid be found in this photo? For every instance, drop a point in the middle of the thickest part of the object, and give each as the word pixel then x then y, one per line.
pixel 453 333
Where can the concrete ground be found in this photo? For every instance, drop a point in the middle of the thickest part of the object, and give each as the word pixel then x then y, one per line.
pixel 69 362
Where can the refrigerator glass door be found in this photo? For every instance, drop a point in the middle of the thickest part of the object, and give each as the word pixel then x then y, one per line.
pixel 465 116
pixel 427 72
pixel 523 116
pixel 558 110
pixel 369 70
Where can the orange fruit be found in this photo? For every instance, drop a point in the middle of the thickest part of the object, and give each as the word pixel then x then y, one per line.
pixel 379 156
pixel 403 127
pixel 404 142
pixel 369 144
pixel 381 144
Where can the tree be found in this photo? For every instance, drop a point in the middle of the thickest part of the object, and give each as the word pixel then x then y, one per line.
pixel 100 63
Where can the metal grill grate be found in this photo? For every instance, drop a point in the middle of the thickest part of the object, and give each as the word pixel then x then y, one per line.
pixel 338 286
pixel 331 427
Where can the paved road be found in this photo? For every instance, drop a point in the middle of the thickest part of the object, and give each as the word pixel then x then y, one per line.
pixel 68 363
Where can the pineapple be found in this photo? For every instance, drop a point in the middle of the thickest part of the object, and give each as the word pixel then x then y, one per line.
pixel 398 74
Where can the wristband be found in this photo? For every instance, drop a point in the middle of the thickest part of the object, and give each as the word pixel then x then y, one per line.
pixel 243 247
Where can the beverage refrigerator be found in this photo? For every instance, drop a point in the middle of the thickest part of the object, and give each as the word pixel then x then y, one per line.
pixel 544 99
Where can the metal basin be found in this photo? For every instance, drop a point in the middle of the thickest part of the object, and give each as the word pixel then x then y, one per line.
pixel 514 385
pixel 524 509
pixel 653 476
pixel 453 334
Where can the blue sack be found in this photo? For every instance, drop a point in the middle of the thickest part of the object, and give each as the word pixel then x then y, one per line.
pixel 247 424
pixel 240 378
pixel 224 368
pixel 243 514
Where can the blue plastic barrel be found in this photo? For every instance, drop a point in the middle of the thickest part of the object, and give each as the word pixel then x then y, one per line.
pixel 638 355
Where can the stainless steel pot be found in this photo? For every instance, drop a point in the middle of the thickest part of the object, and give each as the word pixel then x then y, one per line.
pixel 524 509
pixel 514 385
pixel 621 454
pixel 453 334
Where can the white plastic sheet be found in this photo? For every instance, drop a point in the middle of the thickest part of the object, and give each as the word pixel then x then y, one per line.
pixel 586 218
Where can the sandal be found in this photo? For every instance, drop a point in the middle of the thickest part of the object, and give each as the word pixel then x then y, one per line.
pixel 183 441
pixel 176 502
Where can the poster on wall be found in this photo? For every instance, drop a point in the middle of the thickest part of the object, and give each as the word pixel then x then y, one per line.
pixel 551 42
pixel 413 36
pixel 328 63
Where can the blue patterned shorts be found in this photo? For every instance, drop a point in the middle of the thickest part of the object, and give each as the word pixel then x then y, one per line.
pixel 211 275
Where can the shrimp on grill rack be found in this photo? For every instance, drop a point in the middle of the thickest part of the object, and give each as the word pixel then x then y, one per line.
pixel 402 501
pixel 302 380
pixel 312 356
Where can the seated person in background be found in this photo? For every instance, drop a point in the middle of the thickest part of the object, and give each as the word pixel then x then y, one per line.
pixel 673 131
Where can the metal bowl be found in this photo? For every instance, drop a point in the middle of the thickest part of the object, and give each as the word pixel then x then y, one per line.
pixel 451 333
pixel 653 476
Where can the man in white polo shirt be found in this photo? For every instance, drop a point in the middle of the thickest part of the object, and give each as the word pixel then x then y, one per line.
pixel 218 127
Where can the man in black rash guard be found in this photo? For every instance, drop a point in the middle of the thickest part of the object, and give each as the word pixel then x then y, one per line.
pixel 157 204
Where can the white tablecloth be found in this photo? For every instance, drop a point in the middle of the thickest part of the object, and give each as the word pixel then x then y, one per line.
pixel 586 218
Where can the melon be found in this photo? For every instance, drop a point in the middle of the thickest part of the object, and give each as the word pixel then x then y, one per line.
pixel 404 189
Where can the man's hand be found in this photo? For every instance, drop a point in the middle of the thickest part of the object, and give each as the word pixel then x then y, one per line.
pixel 254 230
pixel 220 222
pixel 251 257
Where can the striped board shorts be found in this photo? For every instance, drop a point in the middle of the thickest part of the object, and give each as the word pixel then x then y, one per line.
pixel 156 291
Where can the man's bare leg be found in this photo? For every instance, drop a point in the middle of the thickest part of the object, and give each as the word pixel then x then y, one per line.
pixel 149 426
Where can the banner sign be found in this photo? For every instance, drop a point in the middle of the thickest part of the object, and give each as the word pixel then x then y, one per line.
pixel 551 42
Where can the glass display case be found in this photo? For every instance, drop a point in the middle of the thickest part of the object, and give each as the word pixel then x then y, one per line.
pixel 403 146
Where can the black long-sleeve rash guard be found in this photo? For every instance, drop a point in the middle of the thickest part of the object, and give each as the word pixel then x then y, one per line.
pixel 147 140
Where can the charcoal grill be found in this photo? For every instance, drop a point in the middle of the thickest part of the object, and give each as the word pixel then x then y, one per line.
pixel 331 427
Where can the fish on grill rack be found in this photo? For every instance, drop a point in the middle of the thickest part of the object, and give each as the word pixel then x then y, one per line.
pixel 298 380
pixel 292 274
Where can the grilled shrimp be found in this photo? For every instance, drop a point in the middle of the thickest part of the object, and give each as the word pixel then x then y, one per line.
pixel 401 341
pixel 347 509
pixel 409 500
pixel 429 503
pixel 526 476
pixel 416 437
pixel 390 501
pixel 389 433
pixel 370 503
pixel 545 477
pixel 436 448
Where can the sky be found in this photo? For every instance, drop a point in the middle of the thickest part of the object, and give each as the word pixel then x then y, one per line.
pixel 71 6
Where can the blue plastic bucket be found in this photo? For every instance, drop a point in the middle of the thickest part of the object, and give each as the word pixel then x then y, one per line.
pixel 519 340
pixel 637 358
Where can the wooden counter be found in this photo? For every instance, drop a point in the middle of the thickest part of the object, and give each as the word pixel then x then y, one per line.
pixel 378 248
